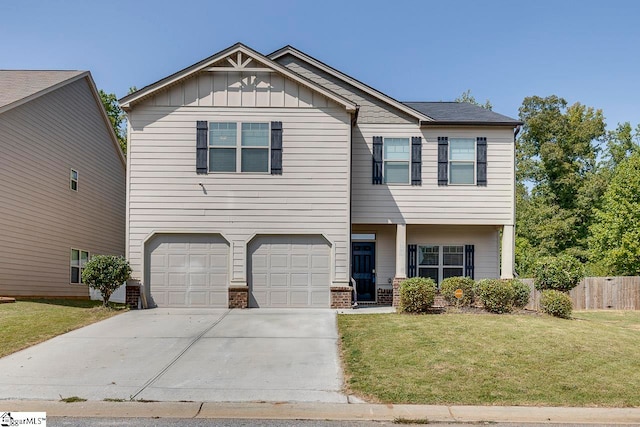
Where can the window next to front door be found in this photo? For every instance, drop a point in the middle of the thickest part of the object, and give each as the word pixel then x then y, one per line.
pixel 440 262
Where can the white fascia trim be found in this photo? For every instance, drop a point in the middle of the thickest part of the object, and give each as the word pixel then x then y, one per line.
pixel 350 106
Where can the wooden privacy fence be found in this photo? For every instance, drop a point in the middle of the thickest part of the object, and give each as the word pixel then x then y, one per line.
pixel 598 293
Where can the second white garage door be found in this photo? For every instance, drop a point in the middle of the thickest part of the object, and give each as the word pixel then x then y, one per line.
pixel 289 271
pixel 188 270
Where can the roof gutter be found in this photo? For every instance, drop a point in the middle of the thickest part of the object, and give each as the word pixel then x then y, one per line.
pixel 463 123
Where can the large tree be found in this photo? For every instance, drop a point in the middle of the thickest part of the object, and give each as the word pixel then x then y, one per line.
pixel 116 117
pixel 558 179
pixel 614 242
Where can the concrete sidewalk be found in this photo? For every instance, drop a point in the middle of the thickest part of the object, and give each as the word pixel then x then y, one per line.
pixel 329 411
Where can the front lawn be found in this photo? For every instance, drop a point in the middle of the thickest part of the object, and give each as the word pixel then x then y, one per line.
pixel 25 323
pixel 484 359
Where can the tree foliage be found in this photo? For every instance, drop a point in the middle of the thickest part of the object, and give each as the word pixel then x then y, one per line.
pixel 116 117
pixel 559 180
pixel 615 235
pixel 467 97
pixel 106 273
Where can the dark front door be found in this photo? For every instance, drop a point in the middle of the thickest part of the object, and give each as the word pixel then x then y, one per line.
pixel 363 262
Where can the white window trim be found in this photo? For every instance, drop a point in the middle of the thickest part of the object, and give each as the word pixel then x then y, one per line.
pixel 475 163
pixel 384 161
pixel 80 266
pixel 71 180
pixel 440 265
pixel 238 147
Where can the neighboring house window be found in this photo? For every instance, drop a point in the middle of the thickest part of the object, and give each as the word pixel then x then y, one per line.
pixel 397 158
pixel 462 161
pixel 74 180
pixel 233 151
pixel 440 262
pixel 78 260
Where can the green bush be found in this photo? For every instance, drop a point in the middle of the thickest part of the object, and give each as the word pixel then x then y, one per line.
pixel 556 303
pixel 449 286
pixel 106 273
pixel 496 295
pixel 521 293
pixel 416 295
pixel 561 273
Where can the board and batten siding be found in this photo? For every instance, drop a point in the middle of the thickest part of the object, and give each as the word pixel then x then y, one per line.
pixel 237 89
pixel 430 203
pixel 41 218
pixel 310 197
pixel 485 239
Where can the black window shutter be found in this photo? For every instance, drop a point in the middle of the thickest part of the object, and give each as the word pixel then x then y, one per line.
pixel 468 260
pixel 202 128
pixel 416 160
pixel 377 160
pixel 412 260
pixel 276 148
pixel 443 160
pixel 481 150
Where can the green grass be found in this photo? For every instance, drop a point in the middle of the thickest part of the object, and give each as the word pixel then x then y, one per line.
pixel 28 322
pixel 483 359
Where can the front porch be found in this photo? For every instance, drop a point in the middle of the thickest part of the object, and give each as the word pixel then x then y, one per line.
pixel 385 254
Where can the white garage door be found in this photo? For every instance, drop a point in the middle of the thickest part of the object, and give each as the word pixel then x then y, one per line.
pixel 187 270
pixel 289 271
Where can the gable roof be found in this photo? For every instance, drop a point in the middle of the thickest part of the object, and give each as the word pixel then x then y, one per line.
pixel 348 79
pixel 460 113
pixel 129 100
pixel 20 86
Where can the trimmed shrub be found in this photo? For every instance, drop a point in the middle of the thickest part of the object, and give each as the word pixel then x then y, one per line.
pixel 556 303
pixel 449 286
pixel 106 273
pixel 561 273
pixel 416 295
pixel 496 295
pixel 521 293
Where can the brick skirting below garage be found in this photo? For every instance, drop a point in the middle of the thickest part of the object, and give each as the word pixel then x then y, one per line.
pixel 238 297
pixel 341 297
pixel 132 296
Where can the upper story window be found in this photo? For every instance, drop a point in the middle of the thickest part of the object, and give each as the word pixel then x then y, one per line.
pixel 397 160
pixel 73 181
pixel 462 161
pixel 78 260
pixel 238 147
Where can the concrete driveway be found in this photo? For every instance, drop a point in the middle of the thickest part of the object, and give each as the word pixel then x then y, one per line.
pixel 185 354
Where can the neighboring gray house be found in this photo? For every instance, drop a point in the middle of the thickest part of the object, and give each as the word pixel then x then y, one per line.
pixel 277 178
pixel 62 182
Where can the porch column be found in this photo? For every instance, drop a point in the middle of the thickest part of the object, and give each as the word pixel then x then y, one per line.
pixel 401 261
pixel 401 251
pixel 507 261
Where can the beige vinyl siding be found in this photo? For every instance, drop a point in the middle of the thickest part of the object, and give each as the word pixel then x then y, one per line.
pixel 310 197
pixel 372 110
pixel 236 89
pixel 485 239
pixel 430 203
pixel 41 218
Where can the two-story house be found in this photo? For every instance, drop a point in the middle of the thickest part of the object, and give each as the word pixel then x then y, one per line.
pixel 272 180
pixel 62 182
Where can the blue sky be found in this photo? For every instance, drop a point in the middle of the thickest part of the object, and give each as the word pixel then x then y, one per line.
pixel 586 51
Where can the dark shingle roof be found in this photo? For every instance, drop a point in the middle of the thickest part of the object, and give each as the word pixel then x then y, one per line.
pixel 460 113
